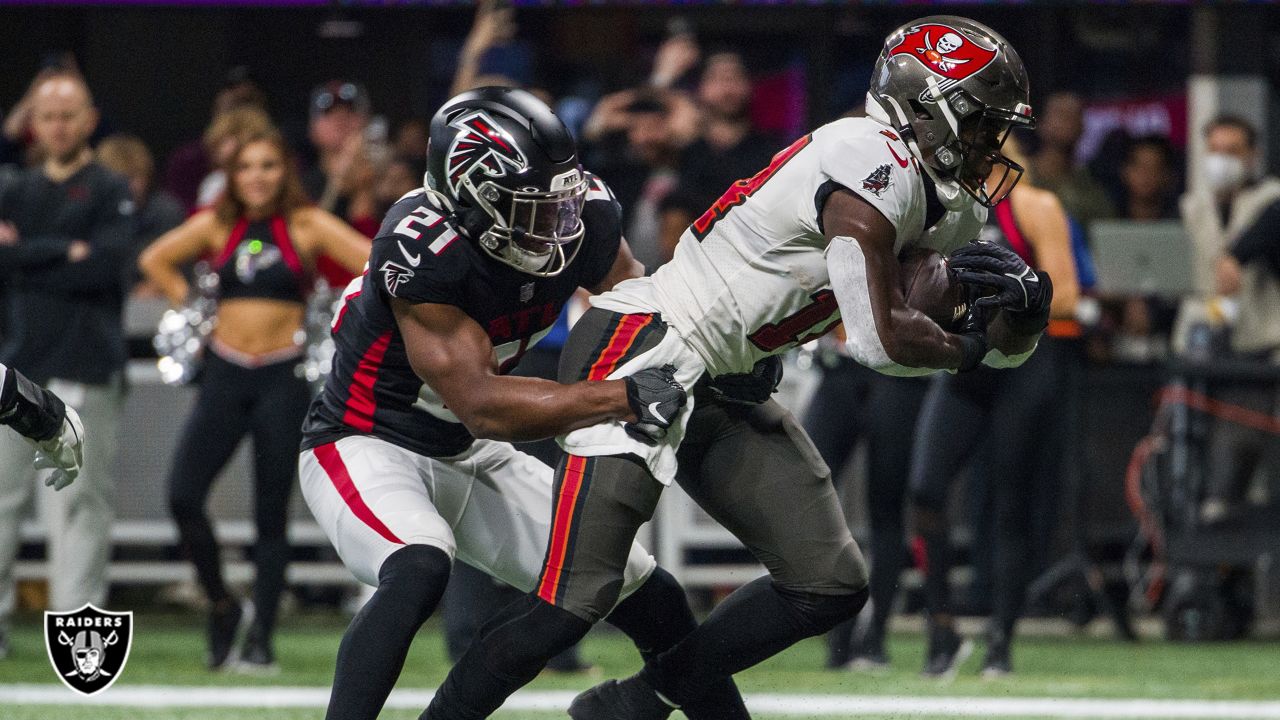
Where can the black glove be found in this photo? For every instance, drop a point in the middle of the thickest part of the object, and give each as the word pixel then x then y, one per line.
pixel 749 388
pixel 1017 287
pixel 973 333
pixel 655 397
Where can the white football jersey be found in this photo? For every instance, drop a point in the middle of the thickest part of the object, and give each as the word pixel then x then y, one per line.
pixel 749 278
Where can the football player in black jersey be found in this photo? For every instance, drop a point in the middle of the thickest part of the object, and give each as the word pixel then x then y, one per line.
pixel 407 461
pixel 52 427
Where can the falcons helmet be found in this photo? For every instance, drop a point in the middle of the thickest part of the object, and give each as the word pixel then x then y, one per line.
pixel 954 89
pixel 507 167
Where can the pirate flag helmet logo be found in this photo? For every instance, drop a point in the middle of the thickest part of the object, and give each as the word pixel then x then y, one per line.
pixel 88 647
pixel 945 51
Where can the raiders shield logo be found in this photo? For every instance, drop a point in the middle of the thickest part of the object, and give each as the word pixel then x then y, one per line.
pixel 88 647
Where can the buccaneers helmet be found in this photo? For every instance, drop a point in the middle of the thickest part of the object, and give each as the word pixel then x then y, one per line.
pixel 954 89
pixel 507 167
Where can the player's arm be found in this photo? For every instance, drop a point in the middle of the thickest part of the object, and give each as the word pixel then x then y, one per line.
pixel 347 246
pixel 162 261
pixel 43 419
pixel 452 354
pixel 1014 334
pixel 884 333
pixel 625 267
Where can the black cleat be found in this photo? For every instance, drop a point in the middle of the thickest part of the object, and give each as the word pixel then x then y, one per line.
pixel 225 625
pixel 630 699
pixel 257 656
pixel 947 652
pixel 997 663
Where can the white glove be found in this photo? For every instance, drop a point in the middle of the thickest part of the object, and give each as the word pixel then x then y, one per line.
pixel 59 458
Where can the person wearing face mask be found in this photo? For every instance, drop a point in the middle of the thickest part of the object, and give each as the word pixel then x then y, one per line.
pixel 1233 276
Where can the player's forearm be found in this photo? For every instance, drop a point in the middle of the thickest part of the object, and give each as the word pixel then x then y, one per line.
pixel 913 340
pixel 28 408
pixel 520 409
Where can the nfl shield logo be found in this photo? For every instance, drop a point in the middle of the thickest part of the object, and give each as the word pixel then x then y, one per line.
pixel 88 647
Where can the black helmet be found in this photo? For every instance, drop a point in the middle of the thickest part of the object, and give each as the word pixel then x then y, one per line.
pixel 954 88
pixel 508 168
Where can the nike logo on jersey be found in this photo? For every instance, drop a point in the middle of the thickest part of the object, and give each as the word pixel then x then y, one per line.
pixel 901 161
pixel 413 259
pixel 653 410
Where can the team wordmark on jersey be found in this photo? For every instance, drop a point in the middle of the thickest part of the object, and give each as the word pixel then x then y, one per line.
pixel 88 648
pixel 878 181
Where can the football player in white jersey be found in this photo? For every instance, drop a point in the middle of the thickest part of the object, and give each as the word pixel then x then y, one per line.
pixel 777 261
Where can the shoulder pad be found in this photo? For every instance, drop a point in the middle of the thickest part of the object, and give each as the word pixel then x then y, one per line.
pixel 419 255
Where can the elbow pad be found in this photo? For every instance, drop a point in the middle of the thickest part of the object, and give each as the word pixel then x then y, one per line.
pixel 28 408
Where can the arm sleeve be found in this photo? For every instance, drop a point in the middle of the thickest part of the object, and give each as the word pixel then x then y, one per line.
pixel 847 268
pixel 1261 240
pixel 110 241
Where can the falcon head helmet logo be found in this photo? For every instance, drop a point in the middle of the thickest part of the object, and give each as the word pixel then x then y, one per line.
pixel 481 145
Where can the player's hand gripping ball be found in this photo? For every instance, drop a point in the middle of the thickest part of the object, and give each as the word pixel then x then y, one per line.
pixel 930 286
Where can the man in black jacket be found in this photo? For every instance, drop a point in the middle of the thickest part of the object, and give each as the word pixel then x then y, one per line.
pixel 65 230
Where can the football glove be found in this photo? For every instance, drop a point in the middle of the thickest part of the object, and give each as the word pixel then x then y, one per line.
pixel 1017 287
pixel 59 458
pixel 656 398
pixel 973 334
pixel 749 388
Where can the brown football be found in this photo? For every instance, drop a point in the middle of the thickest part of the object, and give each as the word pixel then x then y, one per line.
pixel 930 287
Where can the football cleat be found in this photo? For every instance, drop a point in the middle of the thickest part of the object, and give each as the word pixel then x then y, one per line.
pixel 630 699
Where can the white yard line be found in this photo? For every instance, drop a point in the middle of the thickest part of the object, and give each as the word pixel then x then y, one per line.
pixel 161 696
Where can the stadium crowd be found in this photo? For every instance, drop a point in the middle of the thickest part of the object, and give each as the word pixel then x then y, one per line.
pixel 89 220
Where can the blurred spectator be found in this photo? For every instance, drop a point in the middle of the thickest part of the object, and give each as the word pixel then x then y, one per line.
pixel 411 139
pixel 729 148
pixel 17 141
pixel 341 181
pixel 266 239
pixel 1148 182
pixel 400 175
pixel 494 25
pixel 65 232
pixel 1059 128
pixel 1140 326
pixel 190 164
pixel 221 140
pixel 155 211
pixel 982 417
pixel 1231 225
pixel 631 143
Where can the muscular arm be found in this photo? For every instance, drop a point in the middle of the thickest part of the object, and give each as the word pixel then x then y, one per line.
pixel 452 354
pixel 884 333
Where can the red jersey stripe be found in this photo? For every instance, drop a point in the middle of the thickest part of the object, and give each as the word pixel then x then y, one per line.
pixel 360 400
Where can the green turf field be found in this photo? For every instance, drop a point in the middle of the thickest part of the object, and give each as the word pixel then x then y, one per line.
pixel 168 650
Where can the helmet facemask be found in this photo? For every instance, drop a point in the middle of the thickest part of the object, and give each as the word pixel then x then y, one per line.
pixel 535 231
pixel 971 155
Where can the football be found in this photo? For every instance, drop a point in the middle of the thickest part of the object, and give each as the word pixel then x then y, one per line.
pixel 930 287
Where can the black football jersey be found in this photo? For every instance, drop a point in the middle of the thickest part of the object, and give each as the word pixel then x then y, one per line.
pixel 420 257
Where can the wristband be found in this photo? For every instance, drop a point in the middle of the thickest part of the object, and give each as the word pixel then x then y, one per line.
pixel 973 348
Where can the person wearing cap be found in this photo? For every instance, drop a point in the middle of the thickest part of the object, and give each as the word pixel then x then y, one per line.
pixel 342 177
